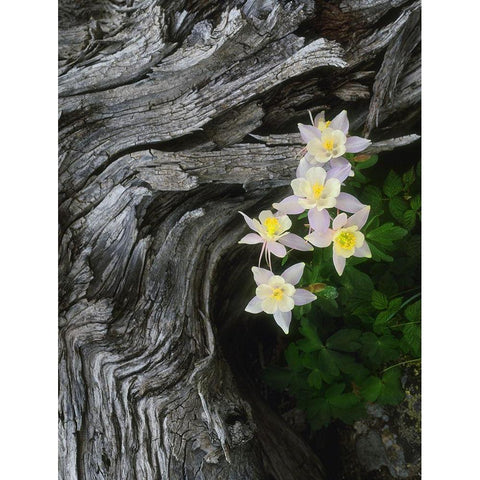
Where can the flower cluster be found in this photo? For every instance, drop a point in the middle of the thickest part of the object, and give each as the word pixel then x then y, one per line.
pixel 317 188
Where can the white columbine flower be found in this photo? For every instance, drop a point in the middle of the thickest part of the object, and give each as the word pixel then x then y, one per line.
pixel 316 189
pixel 347 239
pixel 271 230
pixel 328 140
pixel 276 294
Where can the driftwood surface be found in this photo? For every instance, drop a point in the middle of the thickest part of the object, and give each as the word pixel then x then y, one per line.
pixel 175 115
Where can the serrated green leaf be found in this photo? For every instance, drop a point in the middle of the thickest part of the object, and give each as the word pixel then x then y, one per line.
pixel 393 184
pixel 397 206
pixel 381 321
pixel 345 340
pixel 315 379
pixel 392 392
pixel 327 366
pixel 379 300
pixel 416 202
pixel 412 335
pixel 413 311
pixel 388 348
pixel 372 195
pixel 378 255
pixel 408 177
pixel 347 364
pixel 409 219
pixel 335 390
pixel 369 344
pixel 308 330
pixel 386 234
pixel 344 401
pixel 370 388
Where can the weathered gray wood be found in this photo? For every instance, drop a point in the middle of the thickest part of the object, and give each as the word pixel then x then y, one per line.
pixel 174 116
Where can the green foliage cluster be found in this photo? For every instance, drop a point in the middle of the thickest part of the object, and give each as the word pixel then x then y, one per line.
pixel 354 341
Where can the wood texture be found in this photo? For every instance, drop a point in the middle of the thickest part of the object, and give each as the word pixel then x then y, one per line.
pixel 174 116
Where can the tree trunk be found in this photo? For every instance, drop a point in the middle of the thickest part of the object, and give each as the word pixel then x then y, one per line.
pixel 158 102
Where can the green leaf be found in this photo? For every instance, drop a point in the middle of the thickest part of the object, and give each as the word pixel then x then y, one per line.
pixel 397 207
pixel 284 260
pixel 413 311
pixel 312 341
pixel 369 344
pixel 392 392
pixel 379 300
pixel 302 216
pixel 378 255
pixel 367 163
pixel 347 364
pixel 327 366
pixel 408 177
pixel 315 379
pixel 409 219
pixel 386 234
pixel 416 202
pixel 412 336
pixel 372 196
pixel 393 184
pixel 318 412
pixel 346 400
pixel 345 340
pixel 381 321
pixel 329 293
pixel 335 390
pixel 388 348
pixel 370 388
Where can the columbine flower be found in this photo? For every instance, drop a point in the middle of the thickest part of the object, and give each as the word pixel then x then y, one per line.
pixel 271 230
pixel 327 140
pixel 315 190
pixel 277 295
pixel 347 239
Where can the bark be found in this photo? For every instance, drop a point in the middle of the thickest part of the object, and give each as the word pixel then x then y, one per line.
pixel 173 117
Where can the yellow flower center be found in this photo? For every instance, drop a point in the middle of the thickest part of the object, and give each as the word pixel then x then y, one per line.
pixel 317 190
pixel 272 224
pixel 346 240
pixel 328 144
pixel 277 293
pixel 323 125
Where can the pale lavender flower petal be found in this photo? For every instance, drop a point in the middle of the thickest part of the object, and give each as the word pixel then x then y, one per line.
pixel 291 240
pixel 339 221
pixel 319 117
pixel 319 239
pixel 277 249
pixel 356 144
pixel 339 162
pixel 340 122
pixel 319 221
pixel 254 306
pixel 359 218
pixel 363 251
pixel 249 221
pixel 261 275
pixel 340 173
pixel 302 296
pixel 251 239
pixel 293 274
pixel 289 205
pixel 302 168
pixel 348 203
pixel 283 319
pixel 339 263
pixel 308 132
